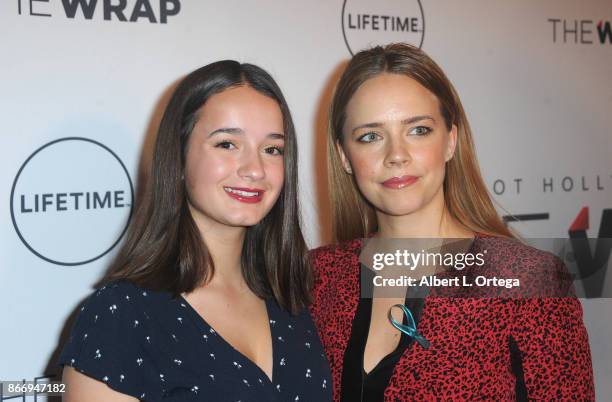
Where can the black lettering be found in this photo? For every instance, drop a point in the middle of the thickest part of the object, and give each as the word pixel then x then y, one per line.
pixel 599 186
pixel 603 31
pixel 100 203
pixel 76 199
pixel 87 6
pixel 350 21
pixel 375 22
pixel 19 7
pixel 166 12
pixel 584 187
pixel 47 199
pixel 38 14
pixel 570 31
pixel 402 26
pixel 518 185
pixel 385 19
pixel 569 180
pixel 584 31
pixel 592 267
pixel 414 24
pixel 142 8
pixel 60 200
pixel 36 203
pixel 365 20
pixel 119 199
pixel 554 22
pixel 548 184
pixel 117 9
pixel 87 198
pixel 503 187
pixel 23 208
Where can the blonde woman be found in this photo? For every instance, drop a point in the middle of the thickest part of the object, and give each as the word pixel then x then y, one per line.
pixel 402 165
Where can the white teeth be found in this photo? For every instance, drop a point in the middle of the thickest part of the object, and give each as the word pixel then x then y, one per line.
pixel 241 193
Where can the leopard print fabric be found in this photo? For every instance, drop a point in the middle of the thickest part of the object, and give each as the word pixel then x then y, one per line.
pixel 469 357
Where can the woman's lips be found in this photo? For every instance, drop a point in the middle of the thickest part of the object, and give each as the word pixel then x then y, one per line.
pixel 400 182
pixel 243 194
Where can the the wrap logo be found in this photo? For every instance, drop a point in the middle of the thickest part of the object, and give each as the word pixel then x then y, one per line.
pixel 152 11
pixel 71 201
pixel 583 32
pixel 367 23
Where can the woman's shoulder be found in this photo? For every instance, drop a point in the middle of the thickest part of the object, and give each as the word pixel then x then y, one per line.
pixel 540 273
pixel 332 261
pixel 346 252
pixel 346 248
pixel 113 294
pixel 511 250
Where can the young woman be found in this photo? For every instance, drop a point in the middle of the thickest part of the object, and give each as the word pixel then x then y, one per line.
pixel 402 165
pixel 208 298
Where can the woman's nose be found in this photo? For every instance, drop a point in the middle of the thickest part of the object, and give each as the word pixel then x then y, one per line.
pixel 251 166
pixel 397 153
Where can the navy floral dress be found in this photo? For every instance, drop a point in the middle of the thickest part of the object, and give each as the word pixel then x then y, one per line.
pixel 158 348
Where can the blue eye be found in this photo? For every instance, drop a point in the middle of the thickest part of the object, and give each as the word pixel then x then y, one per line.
pixel 420 131
pixel 274 150
pixel 225 145
pixel 368 137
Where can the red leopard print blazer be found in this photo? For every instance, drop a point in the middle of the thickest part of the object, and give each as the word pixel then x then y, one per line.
pixel 469 357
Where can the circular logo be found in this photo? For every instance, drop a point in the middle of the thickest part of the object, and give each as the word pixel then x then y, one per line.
pixel 367 23
pixel 71 201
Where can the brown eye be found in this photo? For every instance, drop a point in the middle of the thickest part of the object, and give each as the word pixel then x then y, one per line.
pixel 225 145
pixel 274 150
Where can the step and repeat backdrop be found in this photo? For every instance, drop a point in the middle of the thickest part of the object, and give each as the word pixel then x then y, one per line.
pixel 83 84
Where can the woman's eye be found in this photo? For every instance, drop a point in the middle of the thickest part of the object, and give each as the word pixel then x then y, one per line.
pixel 368 137
pixel 420 130
pixel 225 145
pixel 274 150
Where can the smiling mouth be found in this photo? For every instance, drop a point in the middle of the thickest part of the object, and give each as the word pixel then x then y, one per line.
pixel 400 182
pixel 248 195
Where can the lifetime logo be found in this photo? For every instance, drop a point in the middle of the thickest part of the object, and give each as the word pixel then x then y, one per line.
pixel 581 31
pixel 119 10
pixel 71 201
pixel 367 23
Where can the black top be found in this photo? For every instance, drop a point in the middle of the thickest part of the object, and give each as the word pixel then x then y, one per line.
pixel 357 385
pixel 156 347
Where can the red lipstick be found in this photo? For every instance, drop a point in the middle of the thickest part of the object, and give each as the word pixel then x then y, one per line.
pixel 244 194
pixel 400 182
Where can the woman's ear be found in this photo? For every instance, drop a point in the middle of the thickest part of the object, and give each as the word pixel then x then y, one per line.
pixel 345 162
pixel 452 143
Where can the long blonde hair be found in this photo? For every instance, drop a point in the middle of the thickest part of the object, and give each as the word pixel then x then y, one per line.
pixel 465 195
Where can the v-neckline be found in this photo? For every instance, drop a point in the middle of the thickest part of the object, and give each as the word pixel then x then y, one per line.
pixel 204 325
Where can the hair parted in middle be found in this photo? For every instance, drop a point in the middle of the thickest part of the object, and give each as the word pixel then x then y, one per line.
pixel 164 249
pixel 465 194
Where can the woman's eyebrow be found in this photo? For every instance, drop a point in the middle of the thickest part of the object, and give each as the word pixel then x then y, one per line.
pixel 277 136
pixel 410 120
pixel 418 118
pixel 227 130
pixel 239 131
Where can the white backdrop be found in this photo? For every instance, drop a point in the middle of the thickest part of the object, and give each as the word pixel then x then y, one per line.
pixel 534 78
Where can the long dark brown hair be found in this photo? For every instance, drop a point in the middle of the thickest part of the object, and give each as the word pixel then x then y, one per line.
pixel 465 195
pixel 164 249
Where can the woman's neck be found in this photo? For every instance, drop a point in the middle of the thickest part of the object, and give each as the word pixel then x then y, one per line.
pixel 224 243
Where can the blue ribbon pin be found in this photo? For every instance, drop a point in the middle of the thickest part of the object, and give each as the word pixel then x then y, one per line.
pixel 409 329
